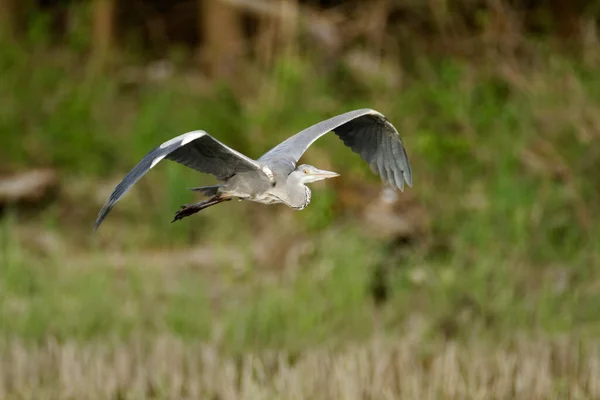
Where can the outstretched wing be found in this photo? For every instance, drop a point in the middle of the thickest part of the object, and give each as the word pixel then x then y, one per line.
pixel 197 150
pixel 367 132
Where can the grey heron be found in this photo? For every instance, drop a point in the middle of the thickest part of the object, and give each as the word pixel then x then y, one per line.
pixel 275 177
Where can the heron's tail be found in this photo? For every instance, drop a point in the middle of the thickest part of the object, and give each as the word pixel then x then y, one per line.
pixel 190 209
pixel 208 191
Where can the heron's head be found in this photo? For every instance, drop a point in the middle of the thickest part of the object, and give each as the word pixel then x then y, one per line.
pixel 308 173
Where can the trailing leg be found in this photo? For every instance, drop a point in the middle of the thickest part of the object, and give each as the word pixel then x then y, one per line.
pixel 190 209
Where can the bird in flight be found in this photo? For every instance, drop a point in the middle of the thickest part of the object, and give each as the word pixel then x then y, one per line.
pixel 275 177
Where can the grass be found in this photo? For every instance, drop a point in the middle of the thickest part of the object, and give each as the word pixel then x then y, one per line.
pixel 249 301
pixel 380 368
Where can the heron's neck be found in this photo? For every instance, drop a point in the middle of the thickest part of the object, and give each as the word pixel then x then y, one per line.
pixel 295 193
pixel 306 200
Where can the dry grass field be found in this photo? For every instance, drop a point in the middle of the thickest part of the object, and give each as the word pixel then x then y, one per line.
pixel 382 368
pixel 482 281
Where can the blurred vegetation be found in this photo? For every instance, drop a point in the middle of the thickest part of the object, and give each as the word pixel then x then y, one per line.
pixel 504 146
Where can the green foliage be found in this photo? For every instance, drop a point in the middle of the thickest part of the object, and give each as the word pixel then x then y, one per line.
pixel 504 165
pixel 323 302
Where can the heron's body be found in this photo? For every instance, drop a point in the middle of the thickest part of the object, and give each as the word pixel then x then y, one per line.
pixel 281 189
pixel 274 177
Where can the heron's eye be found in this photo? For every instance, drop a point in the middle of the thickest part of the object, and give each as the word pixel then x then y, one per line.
pixel 306 171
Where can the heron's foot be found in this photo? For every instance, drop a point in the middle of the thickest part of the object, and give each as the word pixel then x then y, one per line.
pixel 186 210
pixel 189 209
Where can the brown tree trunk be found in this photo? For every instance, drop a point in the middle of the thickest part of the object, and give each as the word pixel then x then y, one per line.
pixel 7 17
pixel 376 20
pixel 103 31
pixel 220 28
pixel 277 31
pixel 567 18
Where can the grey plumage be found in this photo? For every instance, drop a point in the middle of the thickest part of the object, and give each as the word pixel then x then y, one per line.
pixel 274 177
pixel 197 150
pixel 366 131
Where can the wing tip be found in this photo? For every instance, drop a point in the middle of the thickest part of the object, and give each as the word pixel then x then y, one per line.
pixel 102 215
pixel 400 184
pixel 408 179
pixel 97 224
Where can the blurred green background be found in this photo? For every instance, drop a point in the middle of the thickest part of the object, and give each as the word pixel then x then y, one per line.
pixel 498 239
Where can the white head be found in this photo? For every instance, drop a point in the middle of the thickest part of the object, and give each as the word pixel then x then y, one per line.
pixel 307 174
